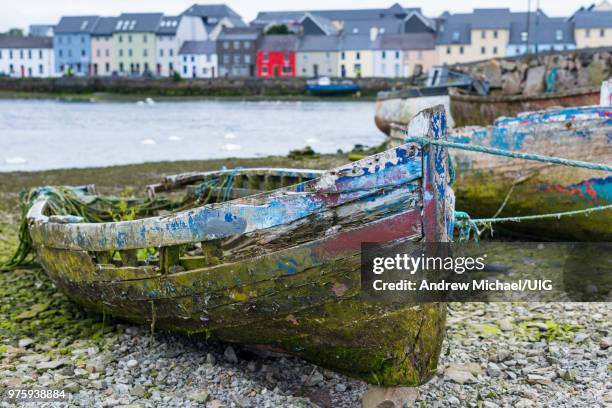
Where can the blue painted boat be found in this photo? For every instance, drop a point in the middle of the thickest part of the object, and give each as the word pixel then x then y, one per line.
pixel 278 269
pixel 325 87
pixel 484 181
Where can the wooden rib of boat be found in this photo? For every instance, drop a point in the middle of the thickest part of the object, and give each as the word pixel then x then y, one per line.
pixel 477 110
pixel 484 181
pixel 279 269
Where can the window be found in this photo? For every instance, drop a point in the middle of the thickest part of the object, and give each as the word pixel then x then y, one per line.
pixel 461 50
pixel 130 52
pixel 107 52
pixel 559 35
pixel 419 54
pixel 11 69
pixel 129 38
pixel 247 45
pixel 184 58
pixel 40 54
pixel 69 53
pixel 144 38
pixel 40 69
pixel 455 36
pixel 120 38
pixel 494 50
pixel 342 55
pixel 82 39
pixel 236 45
pixel 247 59
pixel 495 34
pixel 98 53
pixel 397 54
pixel 193 58
pixel 83 53
pixel 121 53
pixel 448 50
pixel 236 58
pixel 327 55
pixel 60 39
pixel 107 67
pixel 226 45
pixel 517 50
pixel 602 32
pixel 20 54
pixel 60 53
pixel 0 54
pixel 265 56
pixel 286 70
pixel 226 59
pixel 121 67
pixel 355 30
pixel 204 71
pixel 483 34
pixel 587 33
pixel 384 55
pixel 524 36
pixel 483 50
pixel 29 54
pixel 264 70
pixel 357 55
pixel 161 52
pixel 171 52
pixel 145 53
pixel 185 69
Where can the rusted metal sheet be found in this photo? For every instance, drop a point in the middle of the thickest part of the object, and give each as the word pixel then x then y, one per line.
pixel 277 269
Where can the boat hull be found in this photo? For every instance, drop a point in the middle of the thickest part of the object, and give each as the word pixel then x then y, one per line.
pixel 476 110
pixel 483 181
pixel 279 270
pixel 333 89
pixel 401 110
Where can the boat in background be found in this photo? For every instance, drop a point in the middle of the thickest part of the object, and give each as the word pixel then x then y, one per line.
pixel 278 270
pixel 324 86
pixel 401 105
pixel 482 110
pixel 484 181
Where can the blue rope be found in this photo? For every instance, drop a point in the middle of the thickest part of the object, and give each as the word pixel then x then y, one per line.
pixel 507 153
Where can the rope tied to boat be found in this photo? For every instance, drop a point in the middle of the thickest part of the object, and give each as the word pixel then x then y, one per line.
pixel 467 227
pixel 423 141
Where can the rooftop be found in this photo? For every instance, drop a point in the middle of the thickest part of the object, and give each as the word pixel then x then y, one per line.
pixel 198 47
pixel 76 24
pixel 138 22
pixel 26 42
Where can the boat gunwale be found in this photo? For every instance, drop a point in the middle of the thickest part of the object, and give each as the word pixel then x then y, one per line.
pixel 462 97
pixel 46 232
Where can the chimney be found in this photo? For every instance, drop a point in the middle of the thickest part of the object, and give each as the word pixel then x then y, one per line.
pixel 373 33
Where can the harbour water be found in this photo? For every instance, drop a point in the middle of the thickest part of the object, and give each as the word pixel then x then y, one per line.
pixel 42 134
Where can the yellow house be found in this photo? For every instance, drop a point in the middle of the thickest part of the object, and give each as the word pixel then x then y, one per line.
pixel 467 37
pixel 593 28
pixel 355 56
pixel 134 42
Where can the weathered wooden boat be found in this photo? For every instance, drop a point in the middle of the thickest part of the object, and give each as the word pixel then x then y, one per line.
pixel 401 105
pixel 324 86
pixel 482 110
pixel 485 182
pixel 278 269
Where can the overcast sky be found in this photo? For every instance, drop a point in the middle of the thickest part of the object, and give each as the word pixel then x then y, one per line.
pixel 21 13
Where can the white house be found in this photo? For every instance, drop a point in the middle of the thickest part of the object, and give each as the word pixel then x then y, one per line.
pixel 171 34
pixel 22 57
pixel 199 59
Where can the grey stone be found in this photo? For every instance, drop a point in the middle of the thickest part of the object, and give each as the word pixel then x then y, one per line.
pixel 210 359
pixel 459 374
pixel 340 387
pixel 493 370
pixel 25 342
pixel 315 379
pixel 392 397
pixel 230 355
pixel 132 363
pixel 137 391
pixel 200 397
pixel 535 82
pixel 51 365
pixel 605 343
pixel 580 337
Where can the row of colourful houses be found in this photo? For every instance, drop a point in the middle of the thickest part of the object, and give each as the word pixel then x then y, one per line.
pixel 207 41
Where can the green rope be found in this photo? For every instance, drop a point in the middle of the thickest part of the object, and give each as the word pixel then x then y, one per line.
pixel 466 226
pixel 508 153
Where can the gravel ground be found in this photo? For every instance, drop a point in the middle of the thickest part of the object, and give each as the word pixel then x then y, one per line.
pixel 517 355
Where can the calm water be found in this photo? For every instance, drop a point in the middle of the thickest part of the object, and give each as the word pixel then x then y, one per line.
pixel 38 135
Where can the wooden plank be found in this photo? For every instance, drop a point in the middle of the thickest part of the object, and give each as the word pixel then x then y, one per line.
pixel 437 218
pixel 336 187
pixel 169 257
